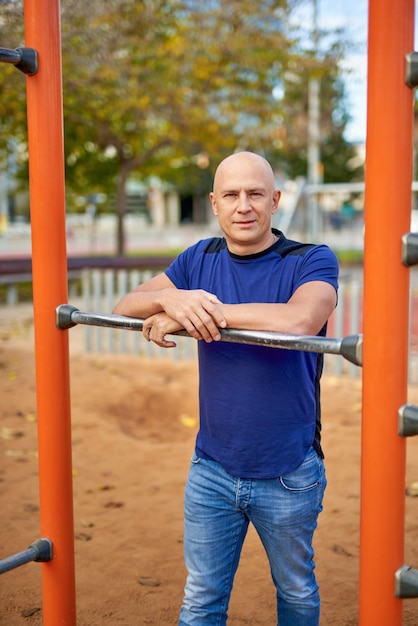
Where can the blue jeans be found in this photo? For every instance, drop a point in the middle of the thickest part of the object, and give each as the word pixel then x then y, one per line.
pixel 218 509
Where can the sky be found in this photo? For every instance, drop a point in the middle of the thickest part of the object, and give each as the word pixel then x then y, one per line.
pixel 352 15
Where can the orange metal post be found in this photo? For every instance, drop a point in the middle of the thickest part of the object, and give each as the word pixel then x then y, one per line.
pixel 49 265
pixel 386 310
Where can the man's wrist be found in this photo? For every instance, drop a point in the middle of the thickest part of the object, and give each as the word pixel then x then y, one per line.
pixel 162 297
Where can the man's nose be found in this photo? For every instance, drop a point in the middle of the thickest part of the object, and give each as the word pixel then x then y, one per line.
pixel 244 202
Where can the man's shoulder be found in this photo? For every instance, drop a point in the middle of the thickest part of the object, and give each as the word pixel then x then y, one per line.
pixel 200 252
pixel 203 247
pixel 214 245
pixel 289 247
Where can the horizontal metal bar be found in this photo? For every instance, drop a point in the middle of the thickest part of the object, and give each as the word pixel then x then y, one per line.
pixel 10 56
pixel 411 69
pixel 406 582
pixel 410 249
pixel 25 59
pixel 40 551
pixel 324 188
pixel 348 347
pixel 408 420
pixel 23 265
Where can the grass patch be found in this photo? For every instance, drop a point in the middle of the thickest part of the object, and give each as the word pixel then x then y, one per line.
pixel 169 252
pixel 350 257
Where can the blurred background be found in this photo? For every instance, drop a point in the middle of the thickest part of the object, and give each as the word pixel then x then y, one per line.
pixel 157 92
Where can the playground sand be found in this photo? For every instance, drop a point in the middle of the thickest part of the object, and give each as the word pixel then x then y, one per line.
pixel 134 421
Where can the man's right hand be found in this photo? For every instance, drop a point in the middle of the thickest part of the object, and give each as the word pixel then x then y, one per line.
pixel 197 311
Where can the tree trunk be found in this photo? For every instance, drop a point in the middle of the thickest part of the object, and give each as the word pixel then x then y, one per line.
pixel 127 166
pixel 121 210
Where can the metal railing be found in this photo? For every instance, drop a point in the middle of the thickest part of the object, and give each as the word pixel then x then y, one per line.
pixel 349 347
pixel 24 59
pixel 39 551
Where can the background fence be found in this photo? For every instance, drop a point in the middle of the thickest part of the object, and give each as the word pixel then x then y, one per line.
pixel 98 289
pixel 102 289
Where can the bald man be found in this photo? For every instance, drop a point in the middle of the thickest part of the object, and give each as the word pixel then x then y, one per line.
pixel 258 456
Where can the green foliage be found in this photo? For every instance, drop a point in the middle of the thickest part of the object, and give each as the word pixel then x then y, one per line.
pixel 290 143
pixel 156 82
pixel 169 87
pixel 350 257
pixel 13 128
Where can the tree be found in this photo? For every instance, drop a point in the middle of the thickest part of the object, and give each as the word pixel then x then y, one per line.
pixel 319 55
pixel 152 87
pixel 150 84
pixel 13 125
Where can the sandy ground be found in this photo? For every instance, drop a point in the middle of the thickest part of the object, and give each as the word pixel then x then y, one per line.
pixel 134 422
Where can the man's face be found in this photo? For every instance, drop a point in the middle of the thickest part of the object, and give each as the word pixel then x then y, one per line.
pixel 244 200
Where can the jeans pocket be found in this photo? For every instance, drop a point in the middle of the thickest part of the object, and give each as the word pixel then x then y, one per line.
pixel 195 459
pixel 307 476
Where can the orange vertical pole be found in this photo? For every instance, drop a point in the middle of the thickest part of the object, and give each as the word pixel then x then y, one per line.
pixel 386 310
pixel 49 267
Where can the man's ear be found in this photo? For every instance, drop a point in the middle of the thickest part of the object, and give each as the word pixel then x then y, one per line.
pixel 276 198
pixel 213 203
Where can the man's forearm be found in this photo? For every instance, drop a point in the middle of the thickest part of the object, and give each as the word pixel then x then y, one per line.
pixel 304 314
pixel 140 303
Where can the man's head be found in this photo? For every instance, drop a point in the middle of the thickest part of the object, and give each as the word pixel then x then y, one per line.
pixel 244 199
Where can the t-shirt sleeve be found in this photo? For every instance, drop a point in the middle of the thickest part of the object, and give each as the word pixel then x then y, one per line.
pixel 320 263
pixel 177 270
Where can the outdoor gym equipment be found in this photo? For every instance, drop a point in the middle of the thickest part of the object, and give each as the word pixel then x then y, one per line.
pixel 348 347
pixel 392 74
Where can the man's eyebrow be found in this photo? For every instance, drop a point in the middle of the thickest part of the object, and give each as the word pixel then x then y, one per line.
pixel 251 190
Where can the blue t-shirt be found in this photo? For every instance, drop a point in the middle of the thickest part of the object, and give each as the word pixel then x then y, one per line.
pixel 259 406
